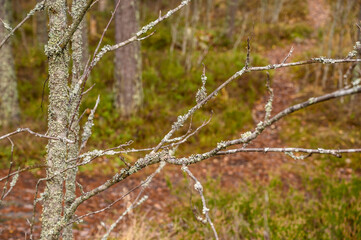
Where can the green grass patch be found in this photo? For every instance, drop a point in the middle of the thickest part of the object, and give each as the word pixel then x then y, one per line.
pixel 319 206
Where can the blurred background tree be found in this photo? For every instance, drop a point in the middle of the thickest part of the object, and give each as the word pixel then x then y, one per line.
pixel 9 102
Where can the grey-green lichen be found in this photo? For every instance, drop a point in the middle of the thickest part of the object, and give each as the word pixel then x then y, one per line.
pixel 245 135
pixel 87 130
pixel 202 92
pixel 324 60
pixel 300 157
pixel 222 145
pixel 355 51
pixel 356 82
pixel 311 100
pixel 57 118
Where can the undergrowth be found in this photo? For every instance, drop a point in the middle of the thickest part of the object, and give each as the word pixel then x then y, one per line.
pixel 318 205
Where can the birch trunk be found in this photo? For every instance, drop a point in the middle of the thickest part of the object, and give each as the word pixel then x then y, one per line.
pixel 9 105
pixel 128 83
pixel 57 117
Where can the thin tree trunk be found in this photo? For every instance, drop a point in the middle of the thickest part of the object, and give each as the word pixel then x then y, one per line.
pixel 128 83
pixel 264 8
pixel 208 14
pixel 330 42
pixel 41 28
pixel 102 5
pixel 232 12
pixel 9 105
pixel 73 149
pixel 57 118
pixel 277 10
pixel 190 34
pixel 187 30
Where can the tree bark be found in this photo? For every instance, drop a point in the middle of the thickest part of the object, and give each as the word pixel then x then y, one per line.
pixel 78 49
pixel 57 117
pixel 9 105
pixel 128 83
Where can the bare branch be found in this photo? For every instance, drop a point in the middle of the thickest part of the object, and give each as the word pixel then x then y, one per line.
pixel 334 152
pixel 15 178
pixel 19 130
pixel 136 202
pixel 68 35
pixel 155 157
pixel 23 170
pixel 137 36
pixel 183 118
pixel 269 104
pixel 38 7
pixel 88 126
pixel 248 53
pixel 250 136
pixel 288 55
pixel 199 188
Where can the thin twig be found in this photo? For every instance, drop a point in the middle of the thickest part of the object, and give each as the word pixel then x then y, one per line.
pixel 199 188
pixel 19 130
pixel 3 195
pixel 38 7
pixel 136 202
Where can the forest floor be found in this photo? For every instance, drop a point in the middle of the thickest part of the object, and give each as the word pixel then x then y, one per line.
pixel 232 169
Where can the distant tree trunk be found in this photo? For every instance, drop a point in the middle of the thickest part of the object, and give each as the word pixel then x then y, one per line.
pixel 330 42
pixel 57 118
pixel 93 27
pixel 208 14
pixel 277 10
pixel 263 11
pixel 128 83
pixel 9 105
pixel 41 27
pixel 187 30
pixel 232 11
pixel 102 5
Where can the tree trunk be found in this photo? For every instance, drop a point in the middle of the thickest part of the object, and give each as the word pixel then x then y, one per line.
pixel 78 48
pixel 57 117
pixel 232 12
pixel 277 10
pixel 102 5
pixel 208 13
pixel 9 105
pixel 128 83
pixel 330 42
pixel 41 27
